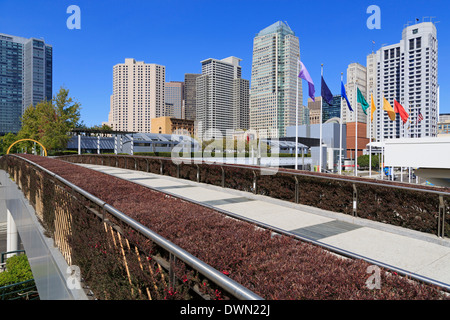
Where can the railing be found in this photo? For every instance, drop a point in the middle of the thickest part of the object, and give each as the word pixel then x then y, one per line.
pixel 23 290
pixel 421 208
pixel 150 265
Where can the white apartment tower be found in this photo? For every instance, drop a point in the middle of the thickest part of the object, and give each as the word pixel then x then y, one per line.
pixel 138 95
pixel 407 72
pixel 273 94
pixel 221 98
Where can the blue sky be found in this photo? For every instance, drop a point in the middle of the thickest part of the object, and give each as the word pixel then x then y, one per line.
pixel 180 33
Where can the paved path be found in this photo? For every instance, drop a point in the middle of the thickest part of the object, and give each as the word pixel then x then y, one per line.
pixel 426 256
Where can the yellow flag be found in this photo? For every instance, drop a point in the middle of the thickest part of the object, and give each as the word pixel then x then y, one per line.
pixel 372 108
pixel 388 108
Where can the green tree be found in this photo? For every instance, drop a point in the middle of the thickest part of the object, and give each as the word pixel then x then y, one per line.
pixel 7 140
pixel 51 121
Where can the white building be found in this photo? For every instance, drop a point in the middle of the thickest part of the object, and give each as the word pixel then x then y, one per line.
pixel 221 98
pixel 138 95
pixel 273 93
pixel 356 78
pixel 407 72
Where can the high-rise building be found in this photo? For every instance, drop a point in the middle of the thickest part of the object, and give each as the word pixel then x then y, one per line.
pixel 174 94
pixel 190 93
pixel 25 78
pixel 356 78
pixel 407 72
pixel 138 95
pixel 221 98
pixel 273 94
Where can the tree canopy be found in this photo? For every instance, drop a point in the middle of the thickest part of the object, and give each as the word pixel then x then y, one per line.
pixel 51 121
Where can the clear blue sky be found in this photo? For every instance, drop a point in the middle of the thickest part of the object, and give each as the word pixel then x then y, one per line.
pixel 180 33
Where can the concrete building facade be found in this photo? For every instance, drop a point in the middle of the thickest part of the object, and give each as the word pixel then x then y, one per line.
pixel 274 80
pixel 221 98
pixel 407 72
pixel 138 95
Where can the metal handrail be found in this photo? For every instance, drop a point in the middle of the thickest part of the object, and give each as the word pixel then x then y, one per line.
pixel 234 288
pixel 296 173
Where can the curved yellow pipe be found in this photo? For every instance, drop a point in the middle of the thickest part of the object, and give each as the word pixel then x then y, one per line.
pixel 45 150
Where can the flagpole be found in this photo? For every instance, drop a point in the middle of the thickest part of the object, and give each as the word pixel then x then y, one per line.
pixel 370 139
pixel 320 126
pixel 382 139
pixel 340 135
pixel 356 133
pixel 296 121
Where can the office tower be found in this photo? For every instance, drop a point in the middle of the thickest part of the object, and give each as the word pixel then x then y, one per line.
pixel 333 110
pixel 314 110
pixel 407 72
pixel 221 99
pixel 25 78
pixel 190 95
pixel 356 78
pixel 174 94
pixel 273 93
pixel 241 102
pixel 138 95
pixel 329 111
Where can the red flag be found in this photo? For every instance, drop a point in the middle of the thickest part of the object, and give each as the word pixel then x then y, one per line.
pixel 399 109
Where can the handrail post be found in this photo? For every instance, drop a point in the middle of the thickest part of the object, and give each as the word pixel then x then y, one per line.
pixel 254 182
pixel 355 200
pixel 223 177
pixel 441 218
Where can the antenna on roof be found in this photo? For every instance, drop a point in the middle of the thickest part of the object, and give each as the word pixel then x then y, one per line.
pixel 287 24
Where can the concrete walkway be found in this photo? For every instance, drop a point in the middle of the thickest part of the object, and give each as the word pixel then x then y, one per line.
pixel 424 255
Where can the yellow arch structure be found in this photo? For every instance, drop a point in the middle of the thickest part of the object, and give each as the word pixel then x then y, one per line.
pixel 45 150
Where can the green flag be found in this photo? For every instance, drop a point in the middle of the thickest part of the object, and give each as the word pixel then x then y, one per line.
pixel 362 100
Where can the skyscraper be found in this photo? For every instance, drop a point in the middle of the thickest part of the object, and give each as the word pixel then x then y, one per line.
pixel 273 93
pixel 25 78
pixel 190 93
pixel 221 98
pixel 174 94
pixel 407 72
pixel 138 95
pixel 356 78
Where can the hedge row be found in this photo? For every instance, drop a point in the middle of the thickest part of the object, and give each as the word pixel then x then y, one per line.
pixel 275 267
pixel 414 209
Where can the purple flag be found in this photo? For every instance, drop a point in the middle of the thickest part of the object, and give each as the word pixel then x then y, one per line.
pixel 304 74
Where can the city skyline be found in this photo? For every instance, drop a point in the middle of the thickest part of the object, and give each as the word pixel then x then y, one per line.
pixel 111 33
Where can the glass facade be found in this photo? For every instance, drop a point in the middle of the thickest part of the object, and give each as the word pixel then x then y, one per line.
pixel 11 65
pixel 332 110
pixel 25 78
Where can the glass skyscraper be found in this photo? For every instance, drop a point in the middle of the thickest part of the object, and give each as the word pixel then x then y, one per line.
pixel 25 78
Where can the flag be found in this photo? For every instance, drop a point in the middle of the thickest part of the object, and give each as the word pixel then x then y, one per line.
pixel 398 108
pixel 388 108
pixel 304 74
pixel 362 100
pixel 419 117
pixel 344 95
pixel 372 108
pixel 326 93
